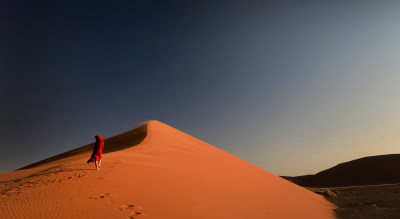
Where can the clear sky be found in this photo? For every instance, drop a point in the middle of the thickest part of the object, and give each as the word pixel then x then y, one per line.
pixel 294 87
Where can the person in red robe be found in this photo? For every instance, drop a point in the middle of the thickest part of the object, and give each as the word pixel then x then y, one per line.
pixel 97 151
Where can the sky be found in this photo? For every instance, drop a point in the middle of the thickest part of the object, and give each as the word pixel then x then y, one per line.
pixel 294 87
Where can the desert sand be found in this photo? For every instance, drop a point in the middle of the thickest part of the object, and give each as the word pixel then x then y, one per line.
pixel 367 202
pixel 154 171
pixel 367 187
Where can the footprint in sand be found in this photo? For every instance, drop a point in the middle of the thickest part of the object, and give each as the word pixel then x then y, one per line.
pixel 100 196
pixel 15 190
pixel 132 211
pixel 79 175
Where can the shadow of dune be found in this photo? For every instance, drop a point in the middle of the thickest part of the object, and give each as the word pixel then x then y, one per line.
pixel 115 143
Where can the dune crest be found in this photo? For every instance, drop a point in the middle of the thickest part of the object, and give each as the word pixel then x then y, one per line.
pixel 169 174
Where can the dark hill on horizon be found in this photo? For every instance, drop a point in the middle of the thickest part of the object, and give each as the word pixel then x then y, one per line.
pixel 373 170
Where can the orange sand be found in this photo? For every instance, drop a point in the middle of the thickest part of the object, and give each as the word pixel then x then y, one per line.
pixel 168 175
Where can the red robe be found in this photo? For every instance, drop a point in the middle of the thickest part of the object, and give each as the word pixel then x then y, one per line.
pixel 97 150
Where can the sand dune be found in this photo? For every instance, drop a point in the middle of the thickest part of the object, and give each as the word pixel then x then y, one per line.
pixel 116 143
pixel 167 174
pixel 374 170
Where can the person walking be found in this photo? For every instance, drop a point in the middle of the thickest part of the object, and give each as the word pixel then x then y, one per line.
pixel 97 152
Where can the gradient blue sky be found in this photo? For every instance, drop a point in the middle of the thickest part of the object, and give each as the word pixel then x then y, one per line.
pixel 294 87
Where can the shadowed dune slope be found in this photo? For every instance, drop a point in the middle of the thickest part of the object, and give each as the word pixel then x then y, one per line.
pixel 168 175
pixel 115 143
pixel 374 170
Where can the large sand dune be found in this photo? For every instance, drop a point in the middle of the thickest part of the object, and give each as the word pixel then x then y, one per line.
pixel 374 170
pixel 167 174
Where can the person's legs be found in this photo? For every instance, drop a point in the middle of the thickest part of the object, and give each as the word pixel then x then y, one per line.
pixel 100 163
pixel 95 163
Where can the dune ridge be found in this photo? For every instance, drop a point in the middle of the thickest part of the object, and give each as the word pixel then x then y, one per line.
pixel 115 143
pixel 169 174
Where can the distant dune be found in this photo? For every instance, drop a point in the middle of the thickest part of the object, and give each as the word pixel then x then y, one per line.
pixel 154 171
pixel 374 170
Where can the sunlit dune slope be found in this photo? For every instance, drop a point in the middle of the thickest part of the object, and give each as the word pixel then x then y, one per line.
pixel 167 175
pixel 381 169
pixel 118 142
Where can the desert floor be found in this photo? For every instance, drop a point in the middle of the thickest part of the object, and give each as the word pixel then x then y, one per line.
pixel 378 201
